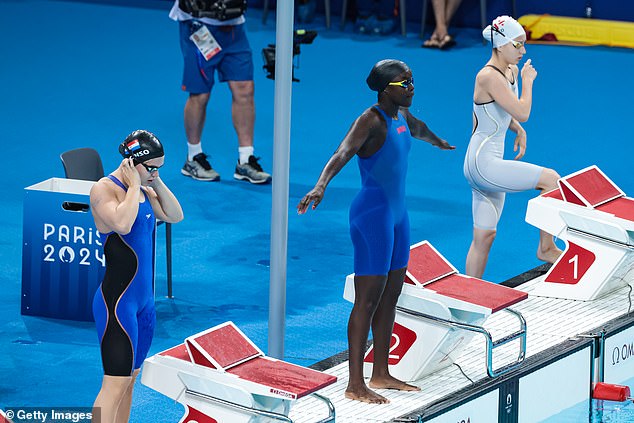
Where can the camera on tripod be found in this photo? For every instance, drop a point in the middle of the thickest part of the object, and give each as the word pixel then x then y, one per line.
pixel 300 36
pixel 221 10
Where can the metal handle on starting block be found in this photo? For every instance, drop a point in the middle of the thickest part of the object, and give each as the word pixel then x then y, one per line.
pixel 269 414
pixel 491 344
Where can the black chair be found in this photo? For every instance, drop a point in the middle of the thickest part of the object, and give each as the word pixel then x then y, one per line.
pixel 85 164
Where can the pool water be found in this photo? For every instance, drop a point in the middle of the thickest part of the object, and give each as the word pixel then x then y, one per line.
pixel 602 411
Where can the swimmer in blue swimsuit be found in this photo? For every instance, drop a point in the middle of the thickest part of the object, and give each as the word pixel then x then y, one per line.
pixel 125 205
pixel 496 108
pixel 379 225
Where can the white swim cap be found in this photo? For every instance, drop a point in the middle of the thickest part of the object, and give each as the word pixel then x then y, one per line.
pixel 502 31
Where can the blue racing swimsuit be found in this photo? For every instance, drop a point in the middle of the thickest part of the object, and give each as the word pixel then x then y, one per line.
pixel 379 224
pixel 123 305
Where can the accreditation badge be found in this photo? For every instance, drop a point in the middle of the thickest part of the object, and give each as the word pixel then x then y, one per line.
pixel 205 42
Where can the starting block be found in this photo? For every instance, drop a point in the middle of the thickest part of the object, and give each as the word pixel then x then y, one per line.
pixel 438 313
pixel 596 220
pixel 220 376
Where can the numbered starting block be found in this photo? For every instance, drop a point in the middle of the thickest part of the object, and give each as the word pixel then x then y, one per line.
pixel 220 376
pixel 438 312
pixel 596 220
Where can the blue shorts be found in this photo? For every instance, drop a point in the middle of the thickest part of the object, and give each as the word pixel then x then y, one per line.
pixel 233 63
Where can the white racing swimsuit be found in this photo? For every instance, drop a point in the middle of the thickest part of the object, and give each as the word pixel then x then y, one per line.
pixel 489 175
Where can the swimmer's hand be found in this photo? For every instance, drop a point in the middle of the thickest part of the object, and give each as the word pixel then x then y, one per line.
pixel 444 145
pixel 314 196
pixel 520 144
pixel 528 72
pixel 131 177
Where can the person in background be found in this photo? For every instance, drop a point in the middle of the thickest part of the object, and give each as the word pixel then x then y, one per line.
pixel 375 17
pixel 213 42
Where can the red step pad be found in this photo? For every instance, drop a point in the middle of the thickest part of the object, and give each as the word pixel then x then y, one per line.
pixel 590 185
pixel 225 345
pixel 282 377
pixel 426 265
pixel 621 207
pixel 610 392
pixel 476 291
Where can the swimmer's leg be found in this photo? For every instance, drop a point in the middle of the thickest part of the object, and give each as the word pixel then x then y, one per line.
pixel 123 411
pixel 547 250
pixel 487 208
pixel 367 295
pixel 479 251
pixel 382 326
pixel 112 398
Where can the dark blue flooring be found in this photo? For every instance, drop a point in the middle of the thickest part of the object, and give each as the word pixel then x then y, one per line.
pixel 77 74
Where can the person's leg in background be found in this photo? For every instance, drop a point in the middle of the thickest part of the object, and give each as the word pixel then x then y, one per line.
pixel 444 11
pixel 237 69
pixel 366 16
pixel 385 17
pixel 198 80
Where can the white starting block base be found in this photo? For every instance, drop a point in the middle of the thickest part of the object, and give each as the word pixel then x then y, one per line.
pixel 220 376
pixel 595 219
pixel 552 322
pixel 435 307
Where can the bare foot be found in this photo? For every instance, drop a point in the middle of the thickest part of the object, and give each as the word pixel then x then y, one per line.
pixel 549 255
pixel 389 382
pixel 363 394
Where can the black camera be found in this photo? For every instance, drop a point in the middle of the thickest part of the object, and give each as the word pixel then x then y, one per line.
pixel 221 10
pixel 300 36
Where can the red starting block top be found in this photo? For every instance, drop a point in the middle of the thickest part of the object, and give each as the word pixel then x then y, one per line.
pixel 476 291
pixel 556 194
pixel 282 377
pixel 179 351
pixel 621 207
pixel 428 268
pixel 589 187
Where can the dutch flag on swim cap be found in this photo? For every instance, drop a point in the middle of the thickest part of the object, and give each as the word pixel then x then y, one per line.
pixel 133 145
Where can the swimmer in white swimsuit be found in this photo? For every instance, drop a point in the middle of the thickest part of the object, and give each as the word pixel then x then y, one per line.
pixel 497 108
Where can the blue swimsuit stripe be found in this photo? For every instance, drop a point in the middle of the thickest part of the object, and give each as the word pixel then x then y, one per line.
pixel 123 305
pixel 379 223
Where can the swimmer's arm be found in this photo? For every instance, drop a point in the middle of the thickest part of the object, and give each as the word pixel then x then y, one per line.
pixel 359 132
pixel 109 213
pixel 164 203
pixel 520 139
pixel 496 86
pixel 421 131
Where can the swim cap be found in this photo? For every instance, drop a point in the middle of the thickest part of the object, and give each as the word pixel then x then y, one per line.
pixel 502 31
pixel 142 146
pixel 384 72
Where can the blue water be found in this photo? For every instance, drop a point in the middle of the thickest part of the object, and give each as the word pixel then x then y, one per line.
pixel 602 411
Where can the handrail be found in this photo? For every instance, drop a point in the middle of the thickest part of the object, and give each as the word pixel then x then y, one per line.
pixel 491 344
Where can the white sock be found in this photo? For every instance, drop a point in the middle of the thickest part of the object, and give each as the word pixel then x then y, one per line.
pixel 193 149
pixel 245 153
